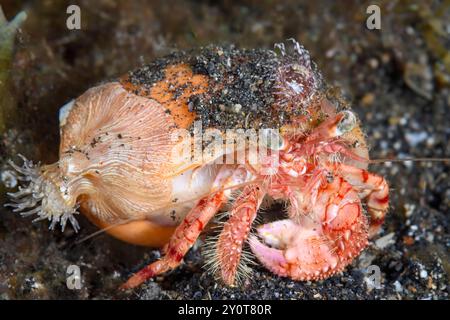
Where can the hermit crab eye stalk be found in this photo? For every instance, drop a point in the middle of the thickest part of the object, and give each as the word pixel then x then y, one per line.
pixel 43 194
pixel 347 123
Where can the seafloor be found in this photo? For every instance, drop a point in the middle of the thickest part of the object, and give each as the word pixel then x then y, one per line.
pixel 397 79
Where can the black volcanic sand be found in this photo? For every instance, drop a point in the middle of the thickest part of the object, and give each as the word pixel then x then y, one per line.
pixel 397 80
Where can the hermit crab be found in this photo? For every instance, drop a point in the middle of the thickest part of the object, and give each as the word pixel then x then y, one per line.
pixel 153 156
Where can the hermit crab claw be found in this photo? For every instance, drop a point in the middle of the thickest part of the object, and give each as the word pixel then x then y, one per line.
pixel 318 244
pixel 291 250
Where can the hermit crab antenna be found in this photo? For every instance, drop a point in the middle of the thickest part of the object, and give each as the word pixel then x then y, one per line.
pixel 384 160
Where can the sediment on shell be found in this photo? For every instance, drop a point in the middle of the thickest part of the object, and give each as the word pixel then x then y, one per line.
pixel 32 198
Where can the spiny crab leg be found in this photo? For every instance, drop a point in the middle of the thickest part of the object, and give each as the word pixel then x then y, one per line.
pixel 190 228
pixel 235 232
pixel 181 241
pixel 373 188
pixel 320 246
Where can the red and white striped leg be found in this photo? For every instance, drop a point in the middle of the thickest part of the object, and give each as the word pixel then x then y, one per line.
pixel 190 228
pixel 373 188
pixel 235 231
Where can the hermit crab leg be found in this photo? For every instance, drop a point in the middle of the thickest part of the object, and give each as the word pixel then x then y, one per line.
pixel 235 232
pixel 190 228
pixel 301 200
pixel 181 241
pixel 371 187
